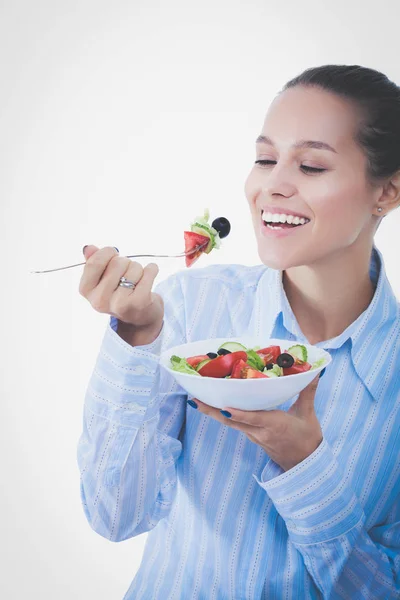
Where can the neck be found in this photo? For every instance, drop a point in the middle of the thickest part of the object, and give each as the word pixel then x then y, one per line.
pixel 327 296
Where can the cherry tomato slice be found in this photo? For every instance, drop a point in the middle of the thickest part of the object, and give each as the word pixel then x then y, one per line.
pixel 222 365
pixel 237 369
pixel 242 370
pixel 269 354
pixel 299 366
pixel 196 360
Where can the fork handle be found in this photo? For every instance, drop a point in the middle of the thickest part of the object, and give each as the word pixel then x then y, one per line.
pixel 130 256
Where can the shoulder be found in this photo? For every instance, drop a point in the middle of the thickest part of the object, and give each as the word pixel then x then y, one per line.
pixel 232 275
pixel 387 361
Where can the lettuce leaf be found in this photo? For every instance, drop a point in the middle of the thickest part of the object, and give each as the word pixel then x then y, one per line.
pixel 255 360
pixel 181 365
pixel 318 363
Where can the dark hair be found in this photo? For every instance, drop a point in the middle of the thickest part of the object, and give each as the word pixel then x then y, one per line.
pixel 378 100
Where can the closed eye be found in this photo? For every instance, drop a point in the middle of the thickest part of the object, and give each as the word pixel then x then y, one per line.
pixel 304 167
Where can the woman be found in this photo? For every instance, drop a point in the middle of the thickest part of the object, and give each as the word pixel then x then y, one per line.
pixel 302 502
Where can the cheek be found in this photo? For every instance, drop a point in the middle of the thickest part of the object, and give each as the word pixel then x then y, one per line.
pixel 339 212
pixel 250 187
pixel 337 200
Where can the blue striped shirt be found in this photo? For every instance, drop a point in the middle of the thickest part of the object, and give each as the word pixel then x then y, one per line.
pixel 224 521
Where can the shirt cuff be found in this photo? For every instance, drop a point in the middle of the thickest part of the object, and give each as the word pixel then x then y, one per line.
pixel 153 348
pixel 125 382
pixel 313 497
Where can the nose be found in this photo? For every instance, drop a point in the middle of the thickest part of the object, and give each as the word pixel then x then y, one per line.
pixel 279 181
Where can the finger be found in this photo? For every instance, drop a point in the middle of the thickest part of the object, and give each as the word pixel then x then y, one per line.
pixel 215 413
pixel 94 268
pixel 304 404
pixel 89 250
pixel 144 285
pixel 255 418
pixel 137 305
pixel 119 266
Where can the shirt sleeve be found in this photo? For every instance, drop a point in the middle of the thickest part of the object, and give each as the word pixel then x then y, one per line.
pixel 133 414
pixel 326 523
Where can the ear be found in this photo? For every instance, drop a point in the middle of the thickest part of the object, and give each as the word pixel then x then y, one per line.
pixel 390 197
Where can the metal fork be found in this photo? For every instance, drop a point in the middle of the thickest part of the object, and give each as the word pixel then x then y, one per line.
pixel 134 256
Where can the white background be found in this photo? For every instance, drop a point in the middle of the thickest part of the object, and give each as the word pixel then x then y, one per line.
pixel 119 122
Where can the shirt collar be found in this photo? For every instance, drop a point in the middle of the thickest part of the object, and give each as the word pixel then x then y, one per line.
pixel 367 334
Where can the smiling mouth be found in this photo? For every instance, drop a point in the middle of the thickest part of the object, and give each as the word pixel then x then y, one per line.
pixel 298 222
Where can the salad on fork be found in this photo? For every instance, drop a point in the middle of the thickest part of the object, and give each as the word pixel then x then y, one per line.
pixel 201 238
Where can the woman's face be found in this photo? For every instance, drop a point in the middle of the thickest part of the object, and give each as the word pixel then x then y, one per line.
pixel 339 201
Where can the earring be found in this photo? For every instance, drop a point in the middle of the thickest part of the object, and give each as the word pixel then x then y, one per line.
pixel 379 209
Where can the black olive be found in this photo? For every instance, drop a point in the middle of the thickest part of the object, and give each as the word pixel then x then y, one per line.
pixel 269 366
pixel 222 225
pixel 285 360
pixel 223 351
pixel 212 355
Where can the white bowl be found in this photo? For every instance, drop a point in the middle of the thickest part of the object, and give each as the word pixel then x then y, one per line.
pixel 245 394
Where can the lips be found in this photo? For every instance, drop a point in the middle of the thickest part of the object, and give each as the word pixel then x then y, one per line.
pixel 277 223
pixel 281 210
pixel 279 230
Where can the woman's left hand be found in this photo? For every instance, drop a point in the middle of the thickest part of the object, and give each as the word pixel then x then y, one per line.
pixel 287 437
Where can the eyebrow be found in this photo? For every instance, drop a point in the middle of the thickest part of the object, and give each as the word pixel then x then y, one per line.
pixel 262 139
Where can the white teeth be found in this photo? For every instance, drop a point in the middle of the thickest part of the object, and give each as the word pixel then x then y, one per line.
pixel 282 218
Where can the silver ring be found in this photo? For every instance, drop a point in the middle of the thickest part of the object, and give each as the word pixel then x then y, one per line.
pixel 124 282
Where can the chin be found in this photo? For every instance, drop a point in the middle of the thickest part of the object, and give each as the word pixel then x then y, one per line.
pixel 277 265
pixel 278 261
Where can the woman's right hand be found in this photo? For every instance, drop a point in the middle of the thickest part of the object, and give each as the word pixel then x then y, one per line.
pixel 137 310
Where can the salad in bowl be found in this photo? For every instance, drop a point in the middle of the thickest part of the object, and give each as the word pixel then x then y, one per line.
pixel 244 373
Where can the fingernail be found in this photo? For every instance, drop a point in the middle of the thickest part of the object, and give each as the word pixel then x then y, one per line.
pixel 116 249
pixel 192 403
pixel 322 372
pixel 226 413
pixel 83 249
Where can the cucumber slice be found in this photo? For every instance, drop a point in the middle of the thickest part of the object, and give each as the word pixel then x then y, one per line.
pixel 202 363
pixel 233 347
pixel 203 231
pixel 202 226
pixel 298 351
pixel 207 231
